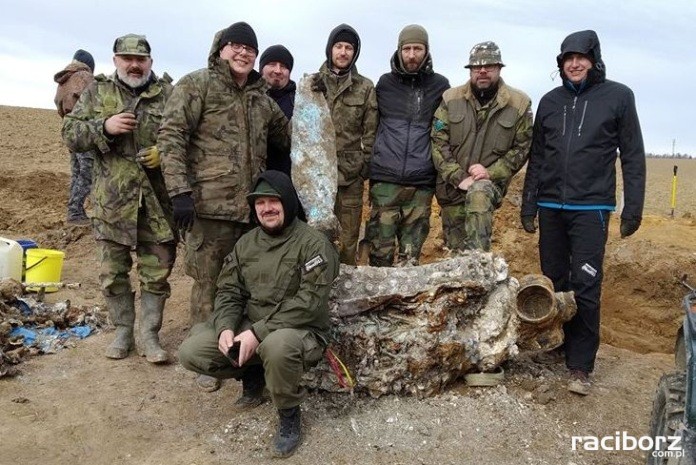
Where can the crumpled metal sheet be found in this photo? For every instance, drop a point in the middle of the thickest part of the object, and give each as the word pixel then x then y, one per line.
pixel 413 330
pixel 313 155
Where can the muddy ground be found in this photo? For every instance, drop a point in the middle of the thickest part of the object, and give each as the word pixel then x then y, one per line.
pixel 79 407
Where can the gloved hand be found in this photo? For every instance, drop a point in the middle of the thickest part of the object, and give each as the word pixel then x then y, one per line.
pixel 628 226
pixel 149 157
pixel 317 84
pixel 184 213
pixel 528 223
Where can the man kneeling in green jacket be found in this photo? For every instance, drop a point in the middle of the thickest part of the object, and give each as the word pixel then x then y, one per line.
pixel 271 316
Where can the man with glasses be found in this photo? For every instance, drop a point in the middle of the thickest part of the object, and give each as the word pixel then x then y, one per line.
pixel 481 138
pixel 216 131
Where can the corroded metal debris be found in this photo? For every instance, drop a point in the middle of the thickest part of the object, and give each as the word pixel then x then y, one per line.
pixel 412 330
pixel 313 155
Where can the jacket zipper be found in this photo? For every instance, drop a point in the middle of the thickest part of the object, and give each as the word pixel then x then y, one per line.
pixel 408 137
pixel 567 154
pixel 582 119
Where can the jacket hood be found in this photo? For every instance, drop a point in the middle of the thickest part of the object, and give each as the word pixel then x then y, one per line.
pixel 329 44
pixel 397 66
pixel 61 76
pixel 587 43
pixel 288 195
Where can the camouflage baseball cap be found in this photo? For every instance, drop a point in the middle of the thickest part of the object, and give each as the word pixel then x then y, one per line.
pixel 485 53
pixel 132 44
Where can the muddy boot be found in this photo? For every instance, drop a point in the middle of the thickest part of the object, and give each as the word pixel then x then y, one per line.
pixel 151 309
pixel 253 383
pixel 208 383
pixel 122 313
pixel 289 432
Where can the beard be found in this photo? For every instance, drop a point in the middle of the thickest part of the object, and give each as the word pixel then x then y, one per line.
pixel 132 81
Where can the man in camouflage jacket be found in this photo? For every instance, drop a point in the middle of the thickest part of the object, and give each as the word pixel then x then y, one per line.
pixel 215 137
pixel 481 138
pixel 353 105
pixel 117 117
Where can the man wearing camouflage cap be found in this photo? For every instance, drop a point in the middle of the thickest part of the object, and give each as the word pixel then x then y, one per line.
pixel 117 117
pixel 481 138
pixel 216 132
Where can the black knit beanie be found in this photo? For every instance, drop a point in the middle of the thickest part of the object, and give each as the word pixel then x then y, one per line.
pixel 84 57
pixel 276 53
pixel 345 36
pixel 239 33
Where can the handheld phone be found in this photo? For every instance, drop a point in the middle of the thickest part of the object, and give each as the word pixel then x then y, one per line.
pixel 233 354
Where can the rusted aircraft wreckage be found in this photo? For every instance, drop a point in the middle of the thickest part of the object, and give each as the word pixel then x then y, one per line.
pixel 413 330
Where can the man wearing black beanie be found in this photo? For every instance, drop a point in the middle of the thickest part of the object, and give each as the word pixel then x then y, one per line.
pixel 216 132
pixel 353 105
pixel 275 65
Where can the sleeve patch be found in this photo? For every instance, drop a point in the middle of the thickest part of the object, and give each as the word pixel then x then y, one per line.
pixel 439 125
pixel 313 263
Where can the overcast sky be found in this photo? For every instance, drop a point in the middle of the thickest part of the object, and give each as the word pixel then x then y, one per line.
pixel 647 45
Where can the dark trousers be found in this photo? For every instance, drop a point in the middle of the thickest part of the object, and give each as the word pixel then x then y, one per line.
pixel 571 248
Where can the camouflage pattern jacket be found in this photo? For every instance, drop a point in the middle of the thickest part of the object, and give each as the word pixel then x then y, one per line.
pixel 497 135
pixel 121 185
pixel 215 137
pixel 72 81
pixel 277 282
pixel 353 104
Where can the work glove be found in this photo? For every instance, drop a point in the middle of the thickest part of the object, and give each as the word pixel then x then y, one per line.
pixel 628 226
pixel 528 223
pixel 317 84
pixel 149 157
pixel 184 213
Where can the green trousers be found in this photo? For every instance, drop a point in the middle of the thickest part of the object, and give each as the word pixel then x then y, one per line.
pixel 285 355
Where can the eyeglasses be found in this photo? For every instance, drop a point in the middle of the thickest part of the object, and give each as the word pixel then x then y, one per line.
pixel 488 68
pixel 237 48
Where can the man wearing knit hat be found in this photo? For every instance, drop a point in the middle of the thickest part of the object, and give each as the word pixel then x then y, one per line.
pixel 402 176
pixel 275 65
pixel 215 135
pixel 481 136
pixel 353 105
pixel 72 80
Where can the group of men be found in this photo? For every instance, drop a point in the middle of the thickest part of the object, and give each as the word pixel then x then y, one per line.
pixel 207 162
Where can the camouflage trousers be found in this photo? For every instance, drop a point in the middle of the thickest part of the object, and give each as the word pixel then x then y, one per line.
pixel 205 247
pixel 80 184
pixel 285 355
pixel 155 262
pixel 400 216
pixel 348 210
pixel 469 226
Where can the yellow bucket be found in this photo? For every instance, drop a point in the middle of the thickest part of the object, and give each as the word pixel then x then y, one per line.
pixel 44 266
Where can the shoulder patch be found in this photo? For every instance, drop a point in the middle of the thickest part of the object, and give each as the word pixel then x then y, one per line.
pixel 439 125
pixel 313 263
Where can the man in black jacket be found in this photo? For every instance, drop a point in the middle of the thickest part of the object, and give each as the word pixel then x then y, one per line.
pixel 571 183
pixel 402 175
pixel 275 65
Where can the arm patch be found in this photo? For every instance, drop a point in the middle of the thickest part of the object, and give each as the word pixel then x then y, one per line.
pixel 313 263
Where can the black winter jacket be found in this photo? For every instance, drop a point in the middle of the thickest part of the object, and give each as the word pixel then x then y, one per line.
pixel 576 138
pixel 406 102
pixel 285 98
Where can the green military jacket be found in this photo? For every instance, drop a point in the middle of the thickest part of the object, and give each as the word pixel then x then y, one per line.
pixel 498 136
pixel 215 137
pixel 353 104
pixel 277 282
pixel 121 186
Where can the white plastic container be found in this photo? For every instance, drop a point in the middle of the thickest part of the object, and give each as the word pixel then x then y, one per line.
pixel 11 254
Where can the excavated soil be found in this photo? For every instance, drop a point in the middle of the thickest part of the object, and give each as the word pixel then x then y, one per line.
pixel 78 407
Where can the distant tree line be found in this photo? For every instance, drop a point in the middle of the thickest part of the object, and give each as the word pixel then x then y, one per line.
pixel 669 155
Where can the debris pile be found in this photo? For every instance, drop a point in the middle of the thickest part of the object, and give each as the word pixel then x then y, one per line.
pixel 412 330
pixel 30 327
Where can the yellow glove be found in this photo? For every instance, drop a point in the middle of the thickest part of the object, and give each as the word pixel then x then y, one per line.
pixel 149 157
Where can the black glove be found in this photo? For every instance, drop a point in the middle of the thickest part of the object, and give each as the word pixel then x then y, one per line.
pixel 184 212
pixel 628 227
pixel 317 84
pixel 528 223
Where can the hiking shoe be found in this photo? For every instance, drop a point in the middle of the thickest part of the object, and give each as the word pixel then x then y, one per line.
pixel 579 382
pixel 253 384
pixel 208 383
pixel 289 432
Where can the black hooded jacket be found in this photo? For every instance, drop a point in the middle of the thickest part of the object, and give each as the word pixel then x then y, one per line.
pixel 288 195
pixel 577 132
pixel 406 102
